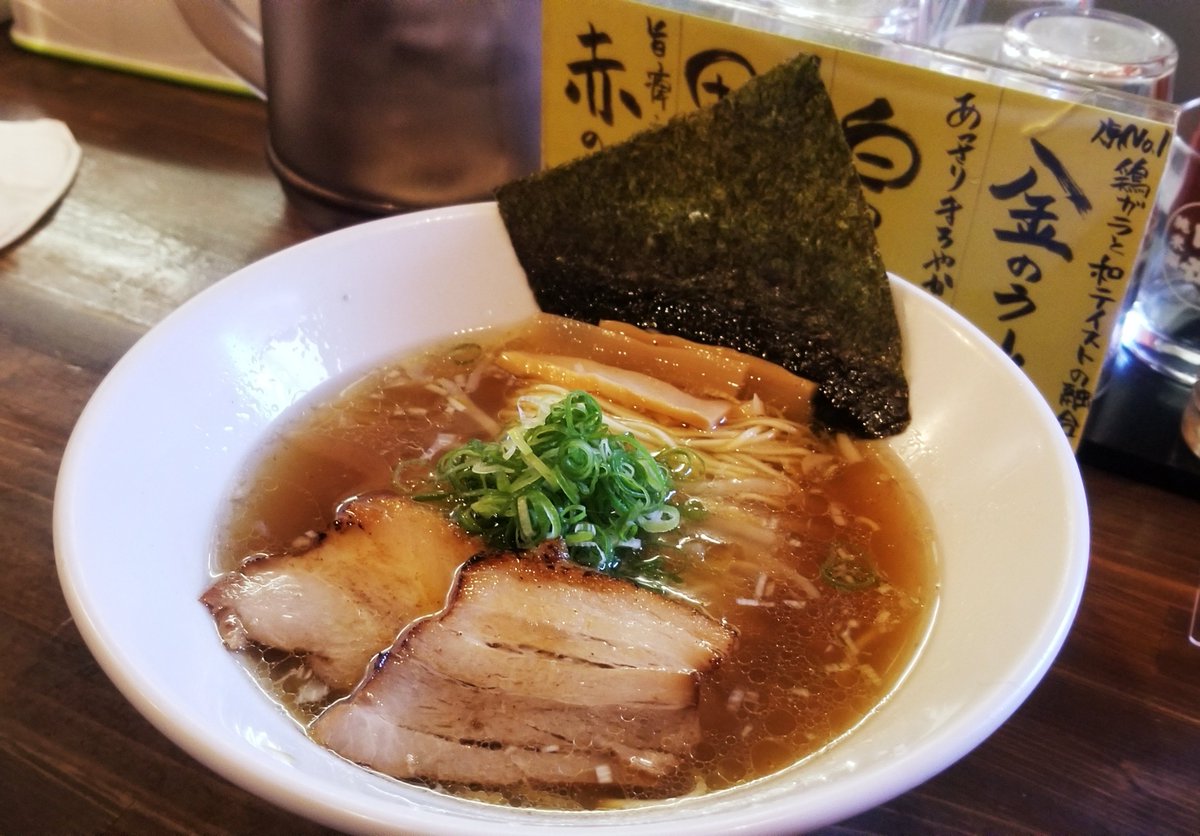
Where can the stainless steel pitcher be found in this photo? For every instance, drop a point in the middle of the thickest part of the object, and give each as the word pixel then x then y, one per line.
pixel 384 106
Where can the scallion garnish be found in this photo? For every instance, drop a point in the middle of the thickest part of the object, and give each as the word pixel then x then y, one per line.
pixel 570 476
pixel 849 568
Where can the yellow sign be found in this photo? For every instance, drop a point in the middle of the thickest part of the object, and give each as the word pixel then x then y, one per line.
pixel 1021 211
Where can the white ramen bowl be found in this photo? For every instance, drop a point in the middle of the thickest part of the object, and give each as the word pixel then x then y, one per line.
pixel 154 457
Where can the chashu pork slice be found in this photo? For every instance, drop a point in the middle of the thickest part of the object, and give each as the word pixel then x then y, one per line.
pixel 385 561
pixel 538 672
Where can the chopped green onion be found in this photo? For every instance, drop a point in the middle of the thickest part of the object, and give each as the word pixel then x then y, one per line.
pixel 464 354
pixel 569 476
pixel 659 520
pixel 849 568
pixel 681 462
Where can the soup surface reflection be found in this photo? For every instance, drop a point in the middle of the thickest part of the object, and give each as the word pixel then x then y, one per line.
pixel 820 556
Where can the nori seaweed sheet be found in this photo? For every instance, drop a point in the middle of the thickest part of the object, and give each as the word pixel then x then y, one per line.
pixel 742 225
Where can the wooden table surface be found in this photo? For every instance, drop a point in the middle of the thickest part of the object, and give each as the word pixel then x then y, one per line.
pixel 172 194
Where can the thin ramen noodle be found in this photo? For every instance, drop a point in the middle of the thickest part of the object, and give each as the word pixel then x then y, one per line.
pixel 812 546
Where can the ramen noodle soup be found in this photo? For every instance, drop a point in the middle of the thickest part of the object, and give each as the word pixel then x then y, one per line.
pixel 811 548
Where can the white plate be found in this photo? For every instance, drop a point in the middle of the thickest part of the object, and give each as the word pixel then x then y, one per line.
pixel 155 453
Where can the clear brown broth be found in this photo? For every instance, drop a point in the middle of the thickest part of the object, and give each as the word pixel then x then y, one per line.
pixel 806 669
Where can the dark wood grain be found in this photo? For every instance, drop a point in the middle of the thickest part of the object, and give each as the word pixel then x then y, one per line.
pixel 173 193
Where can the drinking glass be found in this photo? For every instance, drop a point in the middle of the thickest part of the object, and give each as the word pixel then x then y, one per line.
pixel 905 20
pixel 976 27
pixel 1093 46
pixel 1162 326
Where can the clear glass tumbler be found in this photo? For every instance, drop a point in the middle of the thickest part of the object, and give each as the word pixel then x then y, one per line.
pixel 903 20
pixel 1093 46
pixel 976 27
pixel 1162 325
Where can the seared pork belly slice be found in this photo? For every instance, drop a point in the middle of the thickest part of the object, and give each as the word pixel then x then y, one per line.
pixel 447 707
pixel 529 676
pixel 651 632
pixel 406 753
pixel 385 561
pixel 482 661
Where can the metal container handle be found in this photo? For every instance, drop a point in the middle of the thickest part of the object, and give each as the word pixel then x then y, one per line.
pixel 231 37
